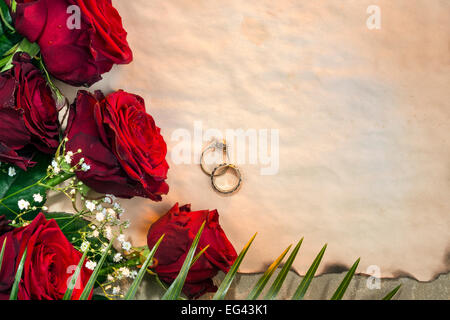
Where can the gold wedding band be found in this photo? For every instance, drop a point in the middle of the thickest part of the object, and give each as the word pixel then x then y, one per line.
pixel 226 166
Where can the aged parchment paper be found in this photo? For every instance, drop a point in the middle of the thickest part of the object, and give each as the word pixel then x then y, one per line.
pixel 363 117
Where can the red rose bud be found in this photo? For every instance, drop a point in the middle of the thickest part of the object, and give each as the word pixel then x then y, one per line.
pixel 79 39
pixel 122 149
pixel 49 264
pixel 28 115
pixel 180 227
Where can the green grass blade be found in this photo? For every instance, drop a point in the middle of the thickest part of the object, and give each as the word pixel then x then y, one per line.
pixel 74 279
pixel 2 252
pixel 344 284
pixel 226 283
pixel 309 276
pixel 15 287
pixel 278 283
pixel 391 294
pixel 174 291
pixel 199 255
pixel 137 282
pixel 90 284
pixel 259 287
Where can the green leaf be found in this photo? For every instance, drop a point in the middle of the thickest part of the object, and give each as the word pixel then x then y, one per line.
pixel 344 284
pixel 309 276
pixel 137 282
pixel 6 19
pixel 2 252
pixel 15 287
pixel 174 291
pixel 278 283
pixel 73 280
pixel 391 294
pixel 226 283
pixel 24 46
pixel 8 36
pixel 254 294
pixel 90 284
pixel 10 188
pixel 69 224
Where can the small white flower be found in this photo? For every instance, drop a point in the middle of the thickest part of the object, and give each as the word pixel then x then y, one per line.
pixel 133 274
pixel 121 238
pixel 38 198
pixel 116 291
pixel 108 233
pixel 117 257
pixel 91 265
pixel 95 233
pixel 85 167
pixel 68 158
pixel 11 172
pixel 56 168
pixel 126 246
pixel 70 153
pixel 73 191
pixel 111 214
pixel 110 278
pixel 90 205
pixel 84 246
pixel 103 248
pixel 99 216
pixel 23 204
pixel 124 272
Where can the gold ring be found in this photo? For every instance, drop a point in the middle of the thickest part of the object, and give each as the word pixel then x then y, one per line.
pixel 226 166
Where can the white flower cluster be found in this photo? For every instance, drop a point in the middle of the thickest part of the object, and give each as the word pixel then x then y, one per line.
pixel 26 205
pixel 65 163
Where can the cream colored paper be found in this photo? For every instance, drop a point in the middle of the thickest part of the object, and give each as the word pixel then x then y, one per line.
pixel 363 116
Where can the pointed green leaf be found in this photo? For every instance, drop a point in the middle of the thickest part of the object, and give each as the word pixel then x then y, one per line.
pixel 226 283
pixel 90 284
pixel 304 285
pixel 344 284
pixel 174 291
pixel 2 253
pixel 74 279
pixel 278 283
pixel 137 282
pixel 199 255
pixel 15 287
pixel 391 294
pixel 259 287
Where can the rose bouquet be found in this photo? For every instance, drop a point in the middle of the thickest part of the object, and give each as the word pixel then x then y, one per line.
pixel 107 148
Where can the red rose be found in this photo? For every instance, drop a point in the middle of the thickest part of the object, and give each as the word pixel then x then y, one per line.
pixel 78 56
pixel 180 227
pixel 28 115
pixel 120 144
pixel 49 265
pixel 4 227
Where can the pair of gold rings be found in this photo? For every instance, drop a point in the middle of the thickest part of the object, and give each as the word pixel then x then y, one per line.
pixel 221 169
